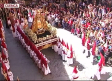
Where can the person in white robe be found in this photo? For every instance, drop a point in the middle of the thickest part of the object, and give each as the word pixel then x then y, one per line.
pixel 44 64
pixel 75 74
pixel 5 51
pixel 55 47
pixel 16 25
pixel 9 23
pixel 46 70
pixel 6 62
pixel 64 53
pixel 69 57
pixel 10 74
pixel 59 47
pixel 99 70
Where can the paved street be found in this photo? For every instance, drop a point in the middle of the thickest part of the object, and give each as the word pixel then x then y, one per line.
pixel 24 67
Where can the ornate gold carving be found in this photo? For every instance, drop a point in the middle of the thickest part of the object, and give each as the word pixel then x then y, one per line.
pixel 39 22
pixel 46 46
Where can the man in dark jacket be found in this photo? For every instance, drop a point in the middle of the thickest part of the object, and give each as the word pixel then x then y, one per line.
pixel 26 13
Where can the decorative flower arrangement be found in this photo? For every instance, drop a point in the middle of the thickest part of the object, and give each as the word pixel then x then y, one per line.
pixel 34 38
pixel 30 34
pixel 51 29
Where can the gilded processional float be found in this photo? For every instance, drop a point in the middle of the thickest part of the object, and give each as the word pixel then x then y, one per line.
pixel 42 34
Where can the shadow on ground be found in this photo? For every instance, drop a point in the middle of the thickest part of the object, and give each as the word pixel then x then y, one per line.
pixel 56 66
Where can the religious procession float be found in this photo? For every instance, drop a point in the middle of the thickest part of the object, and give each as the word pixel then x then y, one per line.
pixel 42 34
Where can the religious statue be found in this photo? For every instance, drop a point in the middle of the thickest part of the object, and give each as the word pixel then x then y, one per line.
pixel 39 24
pixel 41 31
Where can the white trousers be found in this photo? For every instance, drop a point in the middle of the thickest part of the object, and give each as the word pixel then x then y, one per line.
pixel 98 75
pixel 55 48
pixel 69 61
pixel 14 34
pixel 59 51
pixel 64 56
pixel 46 70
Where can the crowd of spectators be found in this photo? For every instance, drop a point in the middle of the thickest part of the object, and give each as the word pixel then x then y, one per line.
pixel 93 19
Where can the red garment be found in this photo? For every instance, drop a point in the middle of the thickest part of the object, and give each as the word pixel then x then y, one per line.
pixel 100 68
pixel 71 48
pixel 53 43
pixel 19 21
pixel 3 44
pixel 71 51
pixel 1 36
pixel 88 24
pixel 108 9
pixel 101 62
pixel 22 34
pixel 0 24
pixel 30 14
pixel 78 30
pixel 8 18
pixel 4 67
pixel 75 77
pixel 8 79
pixel 100 65
pixel 83 39
pixel 71 55
pixel 88 46
pixel 3 55
pixel 40 47
pixel 94 48
pixel 18 29
pixel 87 15
pixel 32 46
pixel 38 54
pixel 63 43
pixel 93 52
pixel 64 52
pixel 33 16
pixel 70 22
pixel 16 21
pixel 28 43
pixel 67 46
pixel 75 70
pixel 106 49
pixel 72 30
pixel 102 59
pixel 43 61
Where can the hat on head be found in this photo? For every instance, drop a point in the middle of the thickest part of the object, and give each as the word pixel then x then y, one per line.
pixel 67 46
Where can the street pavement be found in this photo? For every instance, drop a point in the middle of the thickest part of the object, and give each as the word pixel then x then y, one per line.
pixel 24 67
